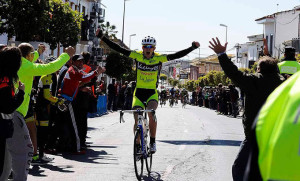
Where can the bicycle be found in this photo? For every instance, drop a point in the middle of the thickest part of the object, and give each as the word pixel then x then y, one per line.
pixel 184 101
pixel 141 135
pixel 171 101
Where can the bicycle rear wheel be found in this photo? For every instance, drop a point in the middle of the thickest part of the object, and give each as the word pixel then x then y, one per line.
pixel 137 157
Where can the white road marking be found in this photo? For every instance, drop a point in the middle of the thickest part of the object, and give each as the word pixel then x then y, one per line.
pixel 167 172
pixel 182 147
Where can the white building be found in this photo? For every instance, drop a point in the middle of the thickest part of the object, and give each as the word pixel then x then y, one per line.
pixel 280 29
pixel 248 53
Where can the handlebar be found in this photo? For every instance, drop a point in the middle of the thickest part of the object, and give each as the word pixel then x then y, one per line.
pixel 134 111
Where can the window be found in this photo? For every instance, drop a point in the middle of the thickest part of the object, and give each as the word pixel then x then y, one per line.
pixel 271 44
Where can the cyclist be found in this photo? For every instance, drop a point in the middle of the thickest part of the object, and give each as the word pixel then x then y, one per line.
pixel 163 96
pixel 176 96
pixel 184 96
pixel 148 65
pixel 172 96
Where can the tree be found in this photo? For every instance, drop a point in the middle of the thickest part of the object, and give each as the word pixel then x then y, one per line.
pixel 24 19
pixel 51 21
pixel 109 30
pixel 175 82
pixel 163 77
pixel 190 85
pixel 170 80
pixel 118 65
pixel 63 25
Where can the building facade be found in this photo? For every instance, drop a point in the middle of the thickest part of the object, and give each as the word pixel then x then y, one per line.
pixel 280 29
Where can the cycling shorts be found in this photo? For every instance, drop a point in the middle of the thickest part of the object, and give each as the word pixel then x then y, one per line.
pixel 142 96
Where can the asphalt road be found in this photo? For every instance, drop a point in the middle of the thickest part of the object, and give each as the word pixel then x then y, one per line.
pixel 192 144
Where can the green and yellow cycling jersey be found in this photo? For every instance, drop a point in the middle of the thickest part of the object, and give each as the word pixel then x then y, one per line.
pixel 147 70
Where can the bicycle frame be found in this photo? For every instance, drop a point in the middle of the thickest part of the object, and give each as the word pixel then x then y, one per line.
pixel 142 120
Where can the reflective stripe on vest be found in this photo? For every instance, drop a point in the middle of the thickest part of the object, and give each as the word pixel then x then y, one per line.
pixel 42 123
pixel 6 116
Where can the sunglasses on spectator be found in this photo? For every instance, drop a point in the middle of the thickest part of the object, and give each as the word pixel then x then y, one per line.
pixel 148 46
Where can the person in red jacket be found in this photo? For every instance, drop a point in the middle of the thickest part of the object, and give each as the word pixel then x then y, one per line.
pixel 69 89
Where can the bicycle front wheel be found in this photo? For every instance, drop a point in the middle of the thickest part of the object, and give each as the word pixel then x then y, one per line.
pixel 148 160
pixel 138 156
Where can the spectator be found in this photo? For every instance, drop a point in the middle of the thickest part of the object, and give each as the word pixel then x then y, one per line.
pixel 122 95
pixel 68 91
pixel 200 97
pixel 274 153
pixel 257 88
pixel 10 62
pixel 289 64
pixel 44 98
pixel 234 95
pixel 111 94
pixel 129 95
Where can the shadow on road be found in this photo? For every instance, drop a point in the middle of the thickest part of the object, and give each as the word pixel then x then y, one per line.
pixel 93 156
pixel 203 142
pixel 38 170
pixel 154 176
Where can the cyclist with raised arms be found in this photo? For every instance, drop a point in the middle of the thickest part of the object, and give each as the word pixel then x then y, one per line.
pixel 148 65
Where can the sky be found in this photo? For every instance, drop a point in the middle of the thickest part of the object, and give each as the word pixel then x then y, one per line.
pixel 176 24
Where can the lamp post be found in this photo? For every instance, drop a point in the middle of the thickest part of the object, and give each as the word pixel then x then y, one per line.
pixel 123 21
pixel 130 39
pixel 226 30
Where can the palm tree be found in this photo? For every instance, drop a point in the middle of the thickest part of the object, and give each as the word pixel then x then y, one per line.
pixel 109 30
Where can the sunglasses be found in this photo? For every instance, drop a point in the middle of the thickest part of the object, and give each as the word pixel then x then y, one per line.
pixel 148 46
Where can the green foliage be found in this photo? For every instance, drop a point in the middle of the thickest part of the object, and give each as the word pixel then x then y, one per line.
pixel 64 26
pixel 190 85
pixel 129 76
pixel 118 66
pixel 170 80
pixel 212 78
pixel 175 82
pixel 51 21
pixel 25 19
pixel 247 70
pixel 163 77
pixel 254 67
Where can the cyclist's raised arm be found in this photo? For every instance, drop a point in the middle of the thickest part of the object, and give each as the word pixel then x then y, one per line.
pixel 111 44
pixel 184 52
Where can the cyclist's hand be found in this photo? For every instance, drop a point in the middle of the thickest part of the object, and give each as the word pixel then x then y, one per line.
pixel 217 47
pixel 195 44
pixel 99 33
